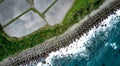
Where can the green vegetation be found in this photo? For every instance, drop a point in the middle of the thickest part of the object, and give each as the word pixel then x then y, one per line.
pixel 10 46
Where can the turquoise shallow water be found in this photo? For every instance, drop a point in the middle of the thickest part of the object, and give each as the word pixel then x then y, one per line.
pixel 100 47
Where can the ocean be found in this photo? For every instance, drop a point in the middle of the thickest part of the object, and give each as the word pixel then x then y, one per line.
pixel 99 47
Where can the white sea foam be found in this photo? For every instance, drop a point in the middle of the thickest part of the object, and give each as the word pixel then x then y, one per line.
pixel 79 44
pixel 113 45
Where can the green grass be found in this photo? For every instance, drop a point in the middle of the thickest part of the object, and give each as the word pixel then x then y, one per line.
pixel 10 46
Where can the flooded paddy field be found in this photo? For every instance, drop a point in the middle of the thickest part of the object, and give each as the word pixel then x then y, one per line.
pixel 42 5
pixel 58 11
pixel 9 9
pixel 24 25
pixel 18 17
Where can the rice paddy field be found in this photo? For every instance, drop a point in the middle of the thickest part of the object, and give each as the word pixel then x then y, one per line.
pixel 42 5
pixel 49 12
pixel 57 12
pixel 9 9
pixel 13 45
pixel 24 25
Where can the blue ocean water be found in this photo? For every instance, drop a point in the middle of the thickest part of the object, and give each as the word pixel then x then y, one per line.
pixel 99 47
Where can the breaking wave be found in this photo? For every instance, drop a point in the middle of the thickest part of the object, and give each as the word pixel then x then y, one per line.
pixel 100 46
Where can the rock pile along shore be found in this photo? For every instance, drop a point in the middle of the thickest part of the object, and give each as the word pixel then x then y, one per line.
pixel 42 50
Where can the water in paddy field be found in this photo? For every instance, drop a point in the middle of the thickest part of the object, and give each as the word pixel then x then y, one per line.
pixel 100 47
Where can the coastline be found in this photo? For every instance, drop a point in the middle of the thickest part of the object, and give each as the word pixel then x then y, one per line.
pixel 65 39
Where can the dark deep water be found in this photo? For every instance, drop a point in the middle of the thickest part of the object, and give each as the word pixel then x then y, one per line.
pixel 101 47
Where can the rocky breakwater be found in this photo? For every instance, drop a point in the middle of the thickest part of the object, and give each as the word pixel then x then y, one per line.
pixel 42 50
